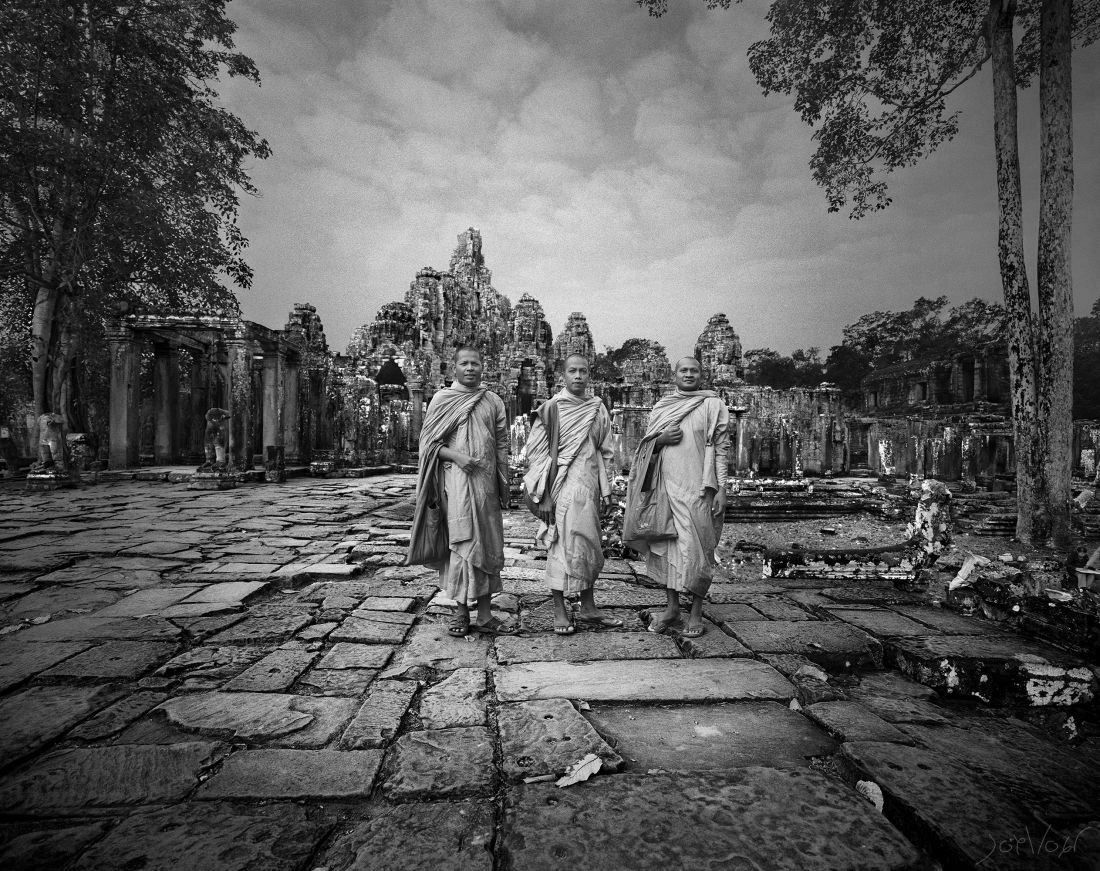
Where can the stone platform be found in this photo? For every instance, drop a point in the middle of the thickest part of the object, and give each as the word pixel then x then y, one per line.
pixel 248 678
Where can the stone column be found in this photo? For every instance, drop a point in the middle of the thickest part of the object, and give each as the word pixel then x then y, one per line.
pixel 416 416
pixel 291 423
pixel 273 399
pixel 980 388
pixel 200 402
pixel 125 397
pixel 239 403
pixel 166 398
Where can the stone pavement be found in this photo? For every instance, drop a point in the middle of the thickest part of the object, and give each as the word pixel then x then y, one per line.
pixel 249 679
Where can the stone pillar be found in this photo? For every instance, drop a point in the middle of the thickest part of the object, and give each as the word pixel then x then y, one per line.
pixel 273 399
pixel 125 397
pixel 166 398
pixel 980 387
pixel 200 402
pixel 239 404
pixel 416 417
pixel 291 422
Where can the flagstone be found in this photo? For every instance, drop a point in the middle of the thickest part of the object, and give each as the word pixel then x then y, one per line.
pixel 20 660
pixel 276 672
pixel 585 646
pixel 31 718
pixel 380 714
pixel 546 736
pixel 441 763
pixel 457 700
pixel 113 660
pixel 294 775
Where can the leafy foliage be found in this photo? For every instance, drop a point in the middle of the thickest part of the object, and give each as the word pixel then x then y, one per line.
pixel 768 368
pixel 1086 365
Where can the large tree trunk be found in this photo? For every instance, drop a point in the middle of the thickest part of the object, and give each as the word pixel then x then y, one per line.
pixel 1054 342
pixel 1010 249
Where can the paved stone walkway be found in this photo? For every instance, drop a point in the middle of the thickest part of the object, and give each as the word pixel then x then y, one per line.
pixel 249 679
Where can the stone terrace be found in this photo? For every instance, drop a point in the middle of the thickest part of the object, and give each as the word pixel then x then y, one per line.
pixel 249 679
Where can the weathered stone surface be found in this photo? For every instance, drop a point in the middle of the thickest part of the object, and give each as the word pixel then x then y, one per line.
pixel 713 643
pixel 899 710
pixel 402 617
pixel 881 622
pixel 872 594
pixel 995 669
pixel 851 721
pixel 441 834
pixel 363 631
pixel 379 717
pixel 458 700
pixel 546 736
pixel 20 660
pixel 337 681
pixel 890 684
pixel 262 629
pixel 948 622
pixel 33 717
pixel 297 721
pixel 113 660
pixel 429 646
pixel 386 603
pixel 348 655
pixel 71 781
pixel 213 663
pixel 316 632
pixel 831 645
pixel 585 646
pixel 777 608
pixel 755 817
pixel 700 737
pixel 295 774
pixel 48 848
pixel 663 680
pixel 146 602
pixel 118 716
pixel 726 593
pixel 228 593
pixel 209 837
pixel 731 611
pixel 103 629
pixel 441 763
pixel 961 815
pixel 275 672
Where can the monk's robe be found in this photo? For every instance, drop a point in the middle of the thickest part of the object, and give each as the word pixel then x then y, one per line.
pixel 473 422
pixel 574 555
pixel 686 563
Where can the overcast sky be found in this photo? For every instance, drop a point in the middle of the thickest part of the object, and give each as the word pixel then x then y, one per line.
pixel 616 164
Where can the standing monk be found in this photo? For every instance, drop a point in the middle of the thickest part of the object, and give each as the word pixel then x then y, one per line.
pixel 690 430
pixel 577 486
pixel 464 459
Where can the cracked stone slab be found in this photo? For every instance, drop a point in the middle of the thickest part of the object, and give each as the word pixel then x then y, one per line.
pixel 441 763
pixel 275 672
pixel 228 593
pixel 47 848
pixel 216 663
pixel 662 680
pixel 114 660
pixel 443 834
pixel 722 594
pixel 731 611
pixel 33 717
pixel 699 737
pixel 379 717
pixel 546 736
pixel 431 647
pixel 337 681
pixel 713 643
pixel 93 628
pixel 905 710
pixel 458 700
pixel 263 629
pixel 948 622
pixel 757 817
pixel 881 622
pixel 367 631
pixel 114 718
pixel 293 775
pixel 206 836
pixel 998 670
pixel 851 721
pixel 286 720
pixel 73 781
pixel 585 646
pixel 387 603
pixel 872 594
pixel 832 645
pixel 348 655
pixel 21 660
pixel 150 601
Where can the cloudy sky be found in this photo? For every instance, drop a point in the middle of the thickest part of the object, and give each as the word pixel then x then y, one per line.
pixel 616 164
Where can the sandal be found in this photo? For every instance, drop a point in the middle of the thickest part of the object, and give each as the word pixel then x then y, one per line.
pixel 567 629
pixel 693 631
pixel 658 627
pixel 459 626
pixel 494 626
pixel 602 621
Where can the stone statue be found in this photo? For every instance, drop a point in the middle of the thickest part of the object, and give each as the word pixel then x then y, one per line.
pixel 216 440
pixel 51 444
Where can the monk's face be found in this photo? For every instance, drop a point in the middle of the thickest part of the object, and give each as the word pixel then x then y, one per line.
pixel 576 375
pixel 687 375
pixel 468 368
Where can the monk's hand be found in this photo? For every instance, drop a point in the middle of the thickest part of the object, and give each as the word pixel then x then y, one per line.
pixel 671 436
pixel 546 515
pixel 466 463
pixel 718 506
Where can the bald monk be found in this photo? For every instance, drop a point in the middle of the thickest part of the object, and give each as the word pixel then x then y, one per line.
pixel 464 443
pixel 690 431
pixel 577 488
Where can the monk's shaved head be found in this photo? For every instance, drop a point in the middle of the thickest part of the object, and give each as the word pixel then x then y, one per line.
pixel 580 357
pixel 576 374
pixel 690 360
pixel 468 349
pixel 687 374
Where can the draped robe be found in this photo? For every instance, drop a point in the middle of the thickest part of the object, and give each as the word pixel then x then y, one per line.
pixel 574 555
pixel 475 423
pixel 686 563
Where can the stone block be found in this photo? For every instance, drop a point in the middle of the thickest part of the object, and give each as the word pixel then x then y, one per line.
pixel 213 663
pixel 31 718
pixel 275 673
pixel 431 647
pixel 713 643
pixel 228 593
pixel 851 721
pixel 48 848
pixel 731 611
pixel 21 660
pixel 441 763
pixel 292 775
pixel 113 660
pixel 263 629
pixel 832 645
pixel 348 655
pixel 337 681
pixel 585 646
pixel 284 720
pixel 116 717
pixel 546 736
pixel 96 628
pixel 387 603
pixel 457 700
pixel 947 622
pixel 662 680
pixel 380 715
pixel 366 631
pixel 880 622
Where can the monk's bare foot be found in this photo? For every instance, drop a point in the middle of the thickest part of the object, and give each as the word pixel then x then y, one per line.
pixel 660 622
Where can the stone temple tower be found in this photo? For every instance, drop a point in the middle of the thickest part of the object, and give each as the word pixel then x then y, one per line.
pixel 719 350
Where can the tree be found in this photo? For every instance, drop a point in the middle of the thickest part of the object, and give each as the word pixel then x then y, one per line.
pixel 768 368
pixel 120 173
pixel 1086 365
pixel 873 79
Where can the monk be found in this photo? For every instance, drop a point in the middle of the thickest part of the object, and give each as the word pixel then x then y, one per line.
pixel 578 486
pixel 464 444
pixel 690 430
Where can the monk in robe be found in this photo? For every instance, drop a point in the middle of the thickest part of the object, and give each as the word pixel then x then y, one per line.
pixel 578 486
pixel 464 445
pixel 690 430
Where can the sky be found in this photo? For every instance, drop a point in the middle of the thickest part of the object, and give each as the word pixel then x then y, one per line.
pixel 619 165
